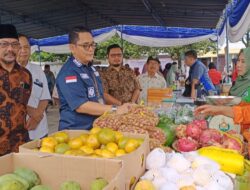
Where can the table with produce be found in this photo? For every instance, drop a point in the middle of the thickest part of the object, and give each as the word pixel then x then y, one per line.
pixel 161 148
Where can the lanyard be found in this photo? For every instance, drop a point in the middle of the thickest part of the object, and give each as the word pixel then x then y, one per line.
pixel 93 78
pixel 91 74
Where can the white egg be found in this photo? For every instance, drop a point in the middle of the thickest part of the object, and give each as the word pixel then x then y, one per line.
pixel 202 176
pixel 170 174
pixel 200 160
pixel 151 175
pixel 179 163
pixel 223 180
pixel 156 159
pixel 190 156
pixel 185 180
pixel 214 186
pixel 158 182
pixel 169 186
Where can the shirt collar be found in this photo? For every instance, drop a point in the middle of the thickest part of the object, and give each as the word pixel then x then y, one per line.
pixel 78 63
pixel 156 75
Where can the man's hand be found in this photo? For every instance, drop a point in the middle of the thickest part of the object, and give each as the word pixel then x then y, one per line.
pixel 35 113
pixel 31 124
pixel 124 108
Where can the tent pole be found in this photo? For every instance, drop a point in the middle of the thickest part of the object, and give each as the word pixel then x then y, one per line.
pixel 39 55
pixel 227 44
pixel 217 65
pixel 122 37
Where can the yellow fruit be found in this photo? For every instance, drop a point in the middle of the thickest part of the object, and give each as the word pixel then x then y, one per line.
pixel 75 143
pixel 68 152
pixel 107 154
pixel 95 130
pixel 61 137
pixel 61 148
pixel 35 149
pixel 93 142
pixel 106 136
pixel 79 153
pixel 94 156
pixel 112 147
pixel 120 152
pixel 46 149
pixel 87 150
pixel 122 142
pixel 131 145
pixel 145 185
pixel 49 142
pixel 84 138
pixel 118 136
pixel 140 141
pixel 98 152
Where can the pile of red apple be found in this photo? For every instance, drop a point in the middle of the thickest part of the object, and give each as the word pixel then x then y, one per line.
pixel 197 134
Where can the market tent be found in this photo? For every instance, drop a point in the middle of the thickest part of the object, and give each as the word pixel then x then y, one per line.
pixel 41 19
pixel 153 36
pixel 236 21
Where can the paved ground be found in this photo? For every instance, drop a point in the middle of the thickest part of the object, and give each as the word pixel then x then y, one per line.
pixel 53 118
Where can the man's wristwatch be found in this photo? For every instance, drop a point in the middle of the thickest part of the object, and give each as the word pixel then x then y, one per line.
pixel 114 108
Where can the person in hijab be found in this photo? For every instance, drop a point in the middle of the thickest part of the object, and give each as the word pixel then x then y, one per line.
pixel 170 78
pixel 242 83
pixel 240 113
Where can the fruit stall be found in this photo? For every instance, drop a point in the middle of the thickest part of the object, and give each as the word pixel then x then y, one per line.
pixel 149 148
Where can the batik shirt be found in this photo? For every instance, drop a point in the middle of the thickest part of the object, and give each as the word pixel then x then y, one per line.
pixel 15 89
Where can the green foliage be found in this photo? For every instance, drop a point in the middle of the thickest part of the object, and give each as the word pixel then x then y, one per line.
pixel 48 57
pixel 135 51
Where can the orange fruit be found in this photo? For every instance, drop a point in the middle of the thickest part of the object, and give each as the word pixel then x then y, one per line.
pixel 61 137
pixel 75 143
pixel 49 142
pixel 106 136
pixel 122 142
pixel 61 148
pixel 118 136
pixel 46 149
pixel 120 152
pixel 93 142
pixel 112 147
pixel 98 152
pixel 107 154
pixel 95 130
pixel 87 150
pixel 131 145
pixel 84 138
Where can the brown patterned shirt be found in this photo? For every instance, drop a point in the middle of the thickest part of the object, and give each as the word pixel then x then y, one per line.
pixel 15 89
pixel 121 85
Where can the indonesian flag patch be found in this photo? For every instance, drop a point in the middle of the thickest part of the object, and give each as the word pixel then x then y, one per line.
pixel 70 79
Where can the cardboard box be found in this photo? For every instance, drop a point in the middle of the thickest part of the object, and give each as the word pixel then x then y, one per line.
pixel 134 162
pixel 53 170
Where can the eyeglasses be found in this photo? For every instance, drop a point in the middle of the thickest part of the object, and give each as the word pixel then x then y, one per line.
pixel 14 45
pixel 87 46
pixel 116 55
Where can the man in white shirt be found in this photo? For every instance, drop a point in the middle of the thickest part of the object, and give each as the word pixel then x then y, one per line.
pixel 151 79
pixel 37 123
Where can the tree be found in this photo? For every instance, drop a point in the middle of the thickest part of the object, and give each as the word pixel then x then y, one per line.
pixel 135 51
pixel 48 57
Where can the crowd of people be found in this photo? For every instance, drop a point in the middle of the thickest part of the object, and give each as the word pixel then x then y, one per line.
pixel 84 93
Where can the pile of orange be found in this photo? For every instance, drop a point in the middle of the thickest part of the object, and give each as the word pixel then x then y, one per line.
pixel 98 142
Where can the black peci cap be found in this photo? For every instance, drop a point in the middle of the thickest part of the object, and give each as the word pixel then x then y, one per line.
pixel 8 31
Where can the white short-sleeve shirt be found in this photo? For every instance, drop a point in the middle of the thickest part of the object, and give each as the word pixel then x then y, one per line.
pixel 40 91
pixel 147 82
